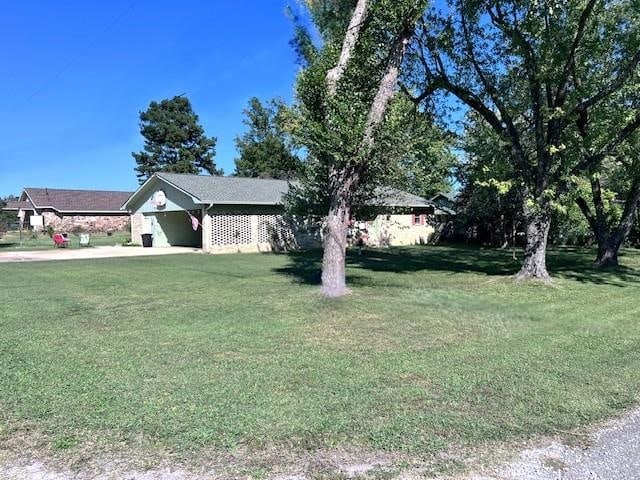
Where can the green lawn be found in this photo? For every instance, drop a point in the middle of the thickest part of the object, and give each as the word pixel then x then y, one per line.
pixel 11 240
pixel 435 347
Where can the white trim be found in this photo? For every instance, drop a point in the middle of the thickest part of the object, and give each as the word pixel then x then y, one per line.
pixel 157 175
pixel 35 209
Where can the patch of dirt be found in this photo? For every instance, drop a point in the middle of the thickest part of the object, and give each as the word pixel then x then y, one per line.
pixel 606 452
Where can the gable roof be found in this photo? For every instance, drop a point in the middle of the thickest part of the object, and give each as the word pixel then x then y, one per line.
pixel 207 190
pixel 229 190
pixel 18 205
pixel 80 201
pixel 450 197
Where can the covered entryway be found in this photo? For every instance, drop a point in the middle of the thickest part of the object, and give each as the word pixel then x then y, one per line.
pixel 174 229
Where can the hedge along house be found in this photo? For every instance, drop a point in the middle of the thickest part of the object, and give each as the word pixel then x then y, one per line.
pixel 70 210
pixel 236 214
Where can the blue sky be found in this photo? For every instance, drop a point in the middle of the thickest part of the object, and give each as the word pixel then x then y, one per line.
pixel 73 82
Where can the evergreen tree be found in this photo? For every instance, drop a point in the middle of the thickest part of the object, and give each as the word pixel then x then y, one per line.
pixel 174 141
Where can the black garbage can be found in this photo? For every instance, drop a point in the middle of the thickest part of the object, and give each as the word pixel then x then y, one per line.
pixel 147 240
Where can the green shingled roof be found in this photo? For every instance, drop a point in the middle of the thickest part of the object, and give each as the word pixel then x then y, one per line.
pixel 229 190
pixel 258 191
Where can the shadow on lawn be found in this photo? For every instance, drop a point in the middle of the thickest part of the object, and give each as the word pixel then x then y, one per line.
pixel 8 245
pixel 575 264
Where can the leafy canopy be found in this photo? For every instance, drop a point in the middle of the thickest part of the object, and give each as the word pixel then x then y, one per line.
pixel 265 148
pixel 332 127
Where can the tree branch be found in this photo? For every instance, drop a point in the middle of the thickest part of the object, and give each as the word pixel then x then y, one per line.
pixel 348 45
pixel 593 159
pixel 613 86
pixel 561 93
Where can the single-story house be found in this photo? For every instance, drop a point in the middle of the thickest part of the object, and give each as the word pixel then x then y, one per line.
pixel 235 214
pixel 69 210
pixel 445 202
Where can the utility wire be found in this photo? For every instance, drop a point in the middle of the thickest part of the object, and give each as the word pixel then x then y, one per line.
pixel 82 52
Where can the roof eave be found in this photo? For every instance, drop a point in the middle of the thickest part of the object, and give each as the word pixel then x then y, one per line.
pixel 157 175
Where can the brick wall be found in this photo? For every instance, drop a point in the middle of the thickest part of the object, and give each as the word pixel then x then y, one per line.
pixel 88 223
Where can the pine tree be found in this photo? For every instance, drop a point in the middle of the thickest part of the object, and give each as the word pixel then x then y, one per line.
pixel 174 141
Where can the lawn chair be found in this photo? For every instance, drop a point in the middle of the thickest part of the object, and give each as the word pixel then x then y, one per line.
pixel 59 240
pixel 85 239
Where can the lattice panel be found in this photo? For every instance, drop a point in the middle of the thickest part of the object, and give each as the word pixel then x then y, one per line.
pixel 231 229
pixel 267 227
pixel 273 228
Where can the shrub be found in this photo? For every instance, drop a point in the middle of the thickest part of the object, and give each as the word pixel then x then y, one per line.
pixel 77 229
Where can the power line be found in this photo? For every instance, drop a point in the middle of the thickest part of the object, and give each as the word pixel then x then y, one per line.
pixel 82 52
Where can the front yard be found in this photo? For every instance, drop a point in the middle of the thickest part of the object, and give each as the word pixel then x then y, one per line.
pixel 435 349
pixel 11 240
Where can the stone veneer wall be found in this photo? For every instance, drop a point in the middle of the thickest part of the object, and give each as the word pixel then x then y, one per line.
pixel 88 223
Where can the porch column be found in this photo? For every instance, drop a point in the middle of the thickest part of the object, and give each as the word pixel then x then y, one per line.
pixel 206 230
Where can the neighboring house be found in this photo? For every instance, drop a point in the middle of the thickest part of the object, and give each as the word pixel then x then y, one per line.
pixel 69 210
pixel 234 214
pixel 446 202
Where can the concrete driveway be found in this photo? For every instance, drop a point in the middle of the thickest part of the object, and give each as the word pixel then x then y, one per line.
pixel 88 253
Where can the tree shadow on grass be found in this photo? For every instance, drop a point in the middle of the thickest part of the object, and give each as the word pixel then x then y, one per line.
pixel 8 245
pixel 575 264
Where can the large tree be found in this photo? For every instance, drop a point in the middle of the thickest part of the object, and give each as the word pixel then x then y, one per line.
pixel 265 148
pixel 174 140
pixel 522 66
pixel 428 164
pixel 611 202
pixel 608 143
pixel 344 96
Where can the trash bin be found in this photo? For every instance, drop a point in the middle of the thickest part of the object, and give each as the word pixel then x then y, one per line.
pixel 147 240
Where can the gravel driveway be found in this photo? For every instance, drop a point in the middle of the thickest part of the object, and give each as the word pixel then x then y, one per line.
pixel 611 453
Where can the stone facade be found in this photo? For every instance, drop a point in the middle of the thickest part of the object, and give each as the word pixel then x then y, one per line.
pixel 86 223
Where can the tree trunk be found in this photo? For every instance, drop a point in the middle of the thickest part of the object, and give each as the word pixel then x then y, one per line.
pixel 335 247
pixel 609 238
pixel 342 184
pixel 607 252
pixel 535 265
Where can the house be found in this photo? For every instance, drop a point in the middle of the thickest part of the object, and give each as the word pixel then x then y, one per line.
pixel 445 202
pixel 69 210
pixel 235 214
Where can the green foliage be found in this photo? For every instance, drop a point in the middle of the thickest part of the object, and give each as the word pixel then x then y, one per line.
pixel 489 204
pixel 534 71
pixel 174 141
pixel 332 128
pixel 7 218
pixel 427 165
pixel 265 149
pixel 49 230
pixel 329 20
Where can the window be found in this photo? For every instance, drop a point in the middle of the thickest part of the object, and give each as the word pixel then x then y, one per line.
pixel 417 219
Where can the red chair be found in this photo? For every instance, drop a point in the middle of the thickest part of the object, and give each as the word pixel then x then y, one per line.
pixel 60 240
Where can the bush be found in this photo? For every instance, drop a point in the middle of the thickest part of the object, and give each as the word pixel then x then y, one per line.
pixel 77 229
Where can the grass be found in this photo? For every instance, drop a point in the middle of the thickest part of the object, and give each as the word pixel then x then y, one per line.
pixel 435 347
pixel 11 241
